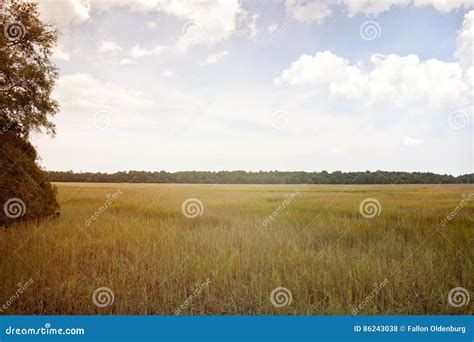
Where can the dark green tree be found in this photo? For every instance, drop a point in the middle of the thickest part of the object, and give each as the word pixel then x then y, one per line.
pixel 27 79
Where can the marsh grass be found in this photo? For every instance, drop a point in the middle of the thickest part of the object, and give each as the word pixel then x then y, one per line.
pixel 319 247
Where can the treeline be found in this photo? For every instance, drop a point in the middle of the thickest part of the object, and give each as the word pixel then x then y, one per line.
pixel 261 177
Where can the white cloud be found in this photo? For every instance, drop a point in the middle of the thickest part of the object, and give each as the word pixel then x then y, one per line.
pixel 109 48
pixel 169 73
pixel 371 7
pixel 465 42
pixel 151 25
pixel 394 79
pixel 139 52
pixel 409 141
pixel 209 22
pixel 445 5
pixel 60 53
pixel 272 28
pixel 252 25
pixel 317 10
pixel 64 13
pixel 308 12
pixel 214 58
pixel 127 61
pixel 83 91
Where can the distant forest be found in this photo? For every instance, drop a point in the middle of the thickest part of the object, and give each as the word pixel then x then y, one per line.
pixel 261 177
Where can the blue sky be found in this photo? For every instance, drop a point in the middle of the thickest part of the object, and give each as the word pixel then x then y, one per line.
pixel 289 85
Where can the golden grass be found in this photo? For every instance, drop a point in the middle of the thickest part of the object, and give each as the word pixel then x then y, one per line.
pixel 319 247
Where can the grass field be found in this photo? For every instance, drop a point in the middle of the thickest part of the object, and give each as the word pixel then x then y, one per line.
pixel 246 241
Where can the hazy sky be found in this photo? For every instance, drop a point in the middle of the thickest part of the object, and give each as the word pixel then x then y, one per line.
pixel 262 85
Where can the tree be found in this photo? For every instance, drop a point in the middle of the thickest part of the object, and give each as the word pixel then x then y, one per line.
pixel 27 78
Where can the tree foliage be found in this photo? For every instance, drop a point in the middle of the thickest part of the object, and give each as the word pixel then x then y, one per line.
pixel 27 79
pixel 27 76
pixel 262 177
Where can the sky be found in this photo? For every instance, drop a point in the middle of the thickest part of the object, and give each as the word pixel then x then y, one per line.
pixel 349 85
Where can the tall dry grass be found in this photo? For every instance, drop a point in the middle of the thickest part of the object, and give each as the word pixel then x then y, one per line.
pixel 318 246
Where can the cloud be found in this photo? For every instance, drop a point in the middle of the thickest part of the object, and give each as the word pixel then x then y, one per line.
pixel 82 91
pixel 252 25
pixel 272 28
pixel 318 10
pixel 64 13
pixel 59 53
pixel 394 79
pixel 109 48
pixel 169 73
pixel 308 11
pixel 138 52
pixel 151 25
pixel 214 58
pixel 465 42
pixel 409 141
pixel 212 21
